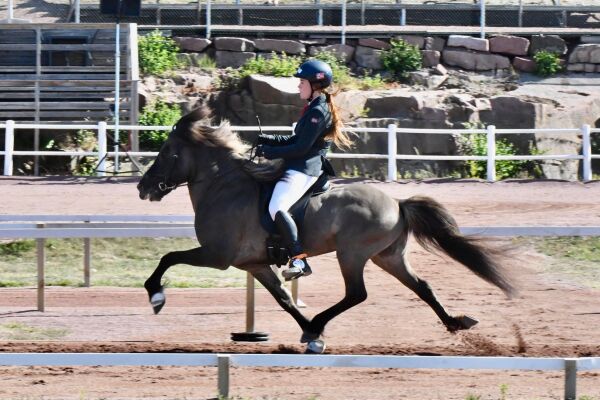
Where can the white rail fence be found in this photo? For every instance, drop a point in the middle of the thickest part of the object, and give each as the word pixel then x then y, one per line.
pixel 42 227
pixel 223 362
pixel 392 156
pixel 87 226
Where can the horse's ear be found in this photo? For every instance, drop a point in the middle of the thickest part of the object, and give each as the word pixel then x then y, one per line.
pixel 200 113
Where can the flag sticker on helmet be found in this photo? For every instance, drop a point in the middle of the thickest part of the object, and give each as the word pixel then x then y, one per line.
pixel 320 75
pixel 314 120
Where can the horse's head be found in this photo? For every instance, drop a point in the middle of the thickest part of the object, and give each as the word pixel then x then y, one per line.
pixel 176 161
pixel 193 152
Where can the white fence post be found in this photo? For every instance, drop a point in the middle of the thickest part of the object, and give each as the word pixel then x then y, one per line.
pixel 9 147
pixel 223 362
pixel 586 150
pixel 570 378
pixel 343 21
pixel 102 149
pixel 250 302
pixel 482 18
pixel 491 153
pixel 41 270
pixel 392 153
pixel 208 18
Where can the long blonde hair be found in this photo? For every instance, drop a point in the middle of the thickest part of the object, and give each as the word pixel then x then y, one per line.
pixel 340 138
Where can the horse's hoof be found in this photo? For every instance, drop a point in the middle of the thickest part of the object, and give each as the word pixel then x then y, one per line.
pixel 315 347
pixel 308 337
pixel 158 301
pixel 461 323
pixel 467 322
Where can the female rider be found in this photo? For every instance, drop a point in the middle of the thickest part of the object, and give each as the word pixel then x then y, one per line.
pixel 303 153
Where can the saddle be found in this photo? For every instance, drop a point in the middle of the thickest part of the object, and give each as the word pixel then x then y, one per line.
pixel 276 252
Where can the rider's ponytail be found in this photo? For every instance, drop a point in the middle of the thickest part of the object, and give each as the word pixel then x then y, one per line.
pixel 339 137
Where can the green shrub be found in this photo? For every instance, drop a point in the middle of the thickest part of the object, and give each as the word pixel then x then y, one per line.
pixel 157 53
pixel 371 82
pixel 476 145
pixel 401 58
pixel 157 113
pixel 547 63
pixel 276 65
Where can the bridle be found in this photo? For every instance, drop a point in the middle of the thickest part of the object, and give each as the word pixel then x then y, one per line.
pixel 165 184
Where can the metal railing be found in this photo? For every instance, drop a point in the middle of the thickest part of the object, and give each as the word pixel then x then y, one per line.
pixel 223 362
pixel 392 156
pixel 208 14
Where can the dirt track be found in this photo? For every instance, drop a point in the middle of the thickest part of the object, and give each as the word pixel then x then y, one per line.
pixel 551 317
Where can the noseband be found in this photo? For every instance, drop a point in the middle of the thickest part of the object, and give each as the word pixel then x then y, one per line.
pixel 165 185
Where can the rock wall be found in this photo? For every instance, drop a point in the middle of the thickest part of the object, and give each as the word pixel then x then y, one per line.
pixel 490 94
pixel 465 52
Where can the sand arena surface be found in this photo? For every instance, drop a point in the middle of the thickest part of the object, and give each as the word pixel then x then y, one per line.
pixel 552 316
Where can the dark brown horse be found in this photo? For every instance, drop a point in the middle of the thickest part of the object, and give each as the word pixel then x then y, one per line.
pixel 359 223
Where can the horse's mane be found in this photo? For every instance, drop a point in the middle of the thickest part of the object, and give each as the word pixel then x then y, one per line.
pixel 196 128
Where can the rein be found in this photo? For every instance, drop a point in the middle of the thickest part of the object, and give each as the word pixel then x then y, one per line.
pixel 164 185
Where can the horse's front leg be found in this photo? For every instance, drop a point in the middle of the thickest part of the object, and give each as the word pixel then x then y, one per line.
pixel 200 256
pixel 272 283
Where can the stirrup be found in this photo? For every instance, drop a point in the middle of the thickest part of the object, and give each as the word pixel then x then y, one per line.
pixel 297 267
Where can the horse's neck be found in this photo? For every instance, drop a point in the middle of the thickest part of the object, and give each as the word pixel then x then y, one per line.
pixel 228 186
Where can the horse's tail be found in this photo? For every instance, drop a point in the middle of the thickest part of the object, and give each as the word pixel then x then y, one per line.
pixel 433 226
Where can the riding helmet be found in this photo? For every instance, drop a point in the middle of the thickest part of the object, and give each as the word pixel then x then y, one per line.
pixel 316 72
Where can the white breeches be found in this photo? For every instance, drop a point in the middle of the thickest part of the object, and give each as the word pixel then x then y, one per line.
pixel 289 190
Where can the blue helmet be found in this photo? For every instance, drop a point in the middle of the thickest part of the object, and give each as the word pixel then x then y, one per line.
pixel 316 72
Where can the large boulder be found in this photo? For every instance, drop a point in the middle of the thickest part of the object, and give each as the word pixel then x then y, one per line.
pixel 468 42
pixel 341 51
pixel 367 57
pixel 279 46
pixel 274 90
pixel 473 61
pixel 551 43
pixel 585 53
pixel 234 59
pixel 513 45
pixel 192 44
pixel 374 43
pixel 415 40
pixel 233 44
pixel 524 64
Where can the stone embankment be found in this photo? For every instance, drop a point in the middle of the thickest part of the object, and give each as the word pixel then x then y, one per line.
pixel 465 81
pixel 465 52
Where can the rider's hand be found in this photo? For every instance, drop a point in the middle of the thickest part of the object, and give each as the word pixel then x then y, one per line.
pixel 259 151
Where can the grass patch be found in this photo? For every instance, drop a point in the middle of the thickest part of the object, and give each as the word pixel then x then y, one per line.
pixel 115 262
pixel 19 331
pixel 577 258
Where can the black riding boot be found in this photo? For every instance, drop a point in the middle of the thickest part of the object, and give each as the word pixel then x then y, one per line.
pixel 289 234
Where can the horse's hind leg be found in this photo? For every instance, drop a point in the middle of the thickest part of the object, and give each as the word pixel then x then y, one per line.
pixel 393 260
pixel 272 283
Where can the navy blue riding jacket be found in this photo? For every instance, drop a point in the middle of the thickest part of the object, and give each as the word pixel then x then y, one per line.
pixel 305 150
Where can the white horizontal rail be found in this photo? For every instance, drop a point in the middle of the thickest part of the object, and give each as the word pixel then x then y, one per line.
pixel 96 218
pixel 293 360
pixel 392 157
pixel 78 226
pixel 224 361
